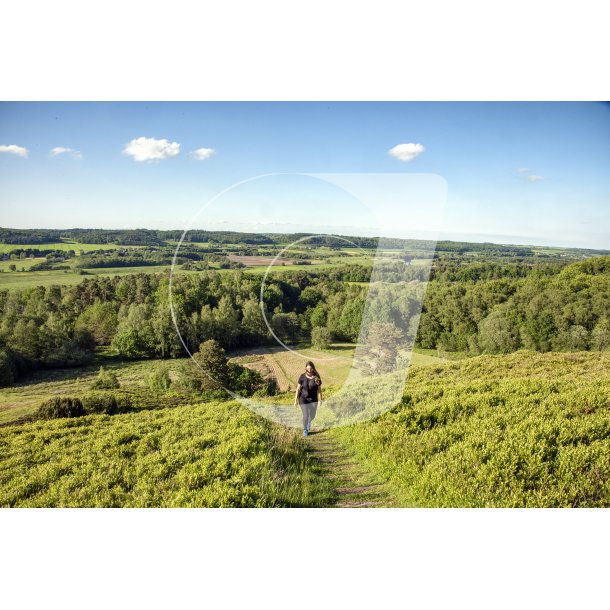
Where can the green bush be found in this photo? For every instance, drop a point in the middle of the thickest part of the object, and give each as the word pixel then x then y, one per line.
pixel 159 379
pixel 245 381
pixel 106 380
pixel 269 388
pixel 186 380
pixel 100 402
pixel 196 455
pixel 60 406
pixel 212 369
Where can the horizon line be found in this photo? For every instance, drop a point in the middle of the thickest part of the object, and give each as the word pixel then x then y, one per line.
pixel 444 235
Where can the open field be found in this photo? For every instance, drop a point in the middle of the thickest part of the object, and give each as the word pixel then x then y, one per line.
pixel 333 364
pixel 286 366
pixel 18 279
pixel 63 245
pixel 256 261
pixel 24 263
pixel 25 395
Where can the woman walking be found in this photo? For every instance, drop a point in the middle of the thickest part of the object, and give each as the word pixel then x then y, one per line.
pixel 309 395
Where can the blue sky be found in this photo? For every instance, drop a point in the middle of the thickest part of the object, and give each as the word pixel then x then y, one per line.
pixel 530 173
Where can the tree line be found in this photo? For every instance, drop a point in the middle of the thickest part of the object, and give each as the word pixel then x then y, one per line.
pixel 61 325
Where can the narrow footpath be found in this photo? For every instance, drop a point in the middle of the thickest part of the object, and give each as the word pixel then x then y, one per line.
pixel 353 486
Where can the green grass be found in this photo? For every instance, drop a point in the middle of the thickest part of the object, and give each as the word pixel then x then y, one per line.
pixel 523 430
pixel 70 278
pixel 200 455
pixel 17 280
pixel 26 263
pixel 63 245
pixel 24 397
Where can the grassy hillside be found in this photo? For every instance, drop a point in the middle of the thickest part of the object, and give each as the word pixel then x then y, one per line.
pixel 200 455
pixel 526 429
pixel 521 430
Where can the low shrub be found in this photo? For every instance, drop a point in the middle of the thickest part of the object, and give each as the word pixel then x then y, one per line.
pixel 106 380
pixel 100 402
pixel 60 406
pixel 159 379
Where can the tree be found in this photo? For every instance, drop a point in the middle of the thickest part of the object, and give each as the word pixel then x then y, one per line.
pixel 383 343
pixel 575 338
pixel 127 343
pixel 318 315
pixel 309 297
pixel 212 370
pixel 159 379
pixel 321 337
pixel 100 320
pixel 7 368
pixel 498 334
pixel 166 340
pixel 600 336
pixel 226 318
pixel 285 325
pixel 351 319
pixel 26 339
pixel 538 331
pixel 135 337
pixel 253 325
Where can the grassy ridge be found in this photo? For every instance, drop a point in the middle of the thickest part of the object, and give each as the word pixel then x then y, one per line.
pixel 521 430
pixel 203 455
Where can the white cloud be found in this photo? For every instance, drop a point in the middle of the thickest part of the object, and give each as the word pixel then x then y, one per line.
pixel 149 149
pixel 525 173
pixel 13 149
pixel 202 153
pixel 58 150
pixel 406 152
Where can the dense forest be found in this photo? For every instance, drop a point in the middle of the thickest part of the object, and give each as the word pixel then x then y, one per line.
pixel 473 307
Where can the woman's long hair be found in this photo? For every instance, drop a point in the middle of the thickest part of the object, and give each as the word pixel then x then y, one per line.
pixel 316 376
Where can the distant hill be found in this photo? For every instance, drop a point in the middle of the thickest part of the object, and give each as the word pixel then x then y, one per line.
pixel 153 237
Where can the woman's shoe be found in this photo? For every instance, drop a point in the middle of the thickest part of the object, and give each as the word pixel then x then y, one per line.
pixel 305 432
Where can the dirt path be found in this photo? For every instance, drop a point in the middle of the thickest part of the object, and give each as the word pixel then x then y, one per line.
pixel 353 486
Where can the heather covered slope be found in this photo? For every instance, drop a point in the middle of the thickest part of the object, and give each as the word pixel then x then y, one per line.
pixel 525 429
pixel 200 455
